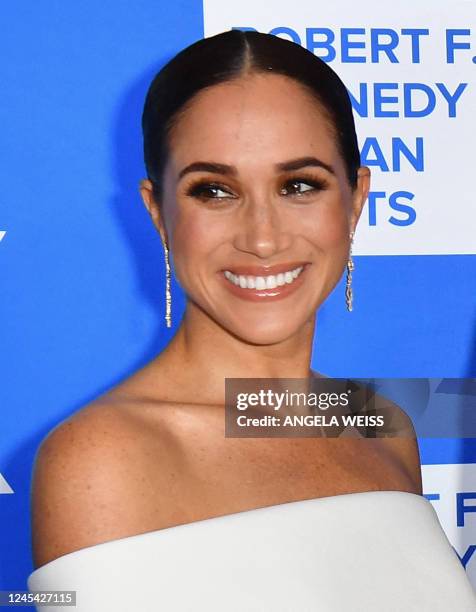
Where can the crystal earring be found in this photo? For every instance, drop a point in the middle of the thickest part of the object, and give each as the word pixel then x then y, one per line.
pixel 350 268
pixel 168 295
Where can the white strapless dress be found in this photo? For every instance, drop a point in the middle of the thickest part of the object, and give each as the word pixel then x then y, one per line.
pixel 378 551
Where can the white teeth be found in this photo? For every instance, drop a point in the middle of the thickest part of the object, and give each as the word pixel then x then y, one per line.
pixel 271 282
pixel 263 282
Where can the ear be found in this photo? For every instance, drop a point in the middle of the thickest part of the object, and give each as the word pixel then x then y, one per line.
pixel 153 208
pixel 360 195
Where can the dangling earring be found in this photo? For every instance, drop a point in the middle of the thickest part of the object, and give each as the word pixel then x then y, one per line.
pixel 168 295
pixel 350 268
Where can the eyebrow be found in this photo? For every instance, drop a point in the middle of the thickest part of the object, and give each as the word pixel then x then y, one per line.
pixel 292 164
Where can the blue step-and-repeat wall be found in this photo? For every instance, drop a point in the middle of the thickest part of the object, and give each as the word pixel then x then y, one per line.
pixel 82 300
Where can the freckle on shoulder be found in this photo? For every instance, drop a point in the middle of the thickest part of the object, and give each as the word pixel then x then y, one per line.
pixel 81 470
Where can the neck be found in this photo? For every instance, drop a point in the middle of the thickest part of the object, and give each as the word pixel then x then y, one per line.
pixel 202 354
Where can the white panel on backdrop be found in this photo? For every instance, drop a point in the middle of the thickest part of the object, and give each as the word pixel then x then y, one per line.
pixel 453 488
pixel 410 71
pixel 5 488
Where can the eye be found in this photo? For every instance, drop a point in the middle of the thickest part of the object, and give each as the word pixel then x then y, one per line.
pixel 301 187
pixel 209 191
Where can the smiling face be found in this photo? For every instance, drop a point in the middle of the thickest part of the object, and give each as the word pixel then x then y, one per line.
pixel 256 207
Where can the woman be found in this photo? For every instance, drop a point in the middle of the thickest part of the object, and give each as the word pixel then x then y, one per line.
pixel 139 501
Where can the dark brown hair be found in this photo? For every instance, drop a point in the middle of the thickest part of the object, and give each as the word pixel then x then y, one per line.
pixel 227 56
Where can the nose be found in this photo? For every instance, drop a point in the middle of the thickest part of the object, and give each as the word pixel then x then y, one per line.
pixel 261 230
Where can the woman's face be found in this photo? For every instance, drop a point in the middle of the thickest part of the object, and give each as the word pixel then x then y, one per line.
pixel 273 193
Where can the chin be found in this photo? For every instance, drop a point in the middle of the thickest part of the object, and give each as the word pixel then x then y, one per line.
pixel 264 333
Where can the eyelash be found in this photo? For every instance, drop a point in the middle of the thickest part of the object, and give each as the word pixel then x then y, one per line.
pixel 197 189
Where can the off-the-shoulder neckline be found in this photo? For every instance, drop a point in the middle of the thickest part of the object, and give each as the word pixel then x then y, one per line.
pixel 222 517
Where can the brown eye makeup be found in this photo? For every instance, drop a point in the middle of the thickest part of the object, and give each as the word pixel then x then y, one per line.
pixel 208 190
pixel 298 186
pixel 311 185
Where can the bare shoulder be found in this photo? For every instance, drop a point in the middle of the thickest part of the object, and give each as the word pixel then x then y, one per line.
pixel 400 442
pixel 89 472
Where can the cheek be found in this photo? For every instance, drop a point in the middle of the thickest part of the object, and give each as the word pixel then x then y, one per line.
pixel 327 225
pixel 193 240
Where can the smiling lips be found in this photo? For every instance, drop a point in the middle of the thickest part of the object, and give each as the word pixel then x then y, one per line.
pixel 257 283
